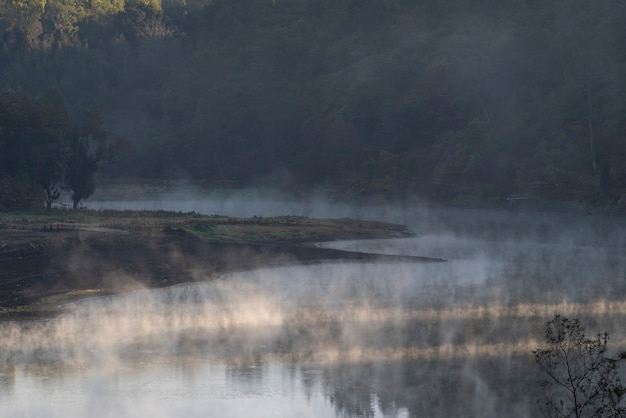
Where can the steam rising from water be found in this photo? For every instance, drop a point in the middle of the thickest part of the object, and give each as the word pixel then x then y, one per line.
pixel 386 339
pixel 322 314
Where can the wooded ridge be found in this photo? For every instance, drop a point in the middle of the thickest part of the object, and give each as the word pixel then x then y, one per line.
pixel 491 100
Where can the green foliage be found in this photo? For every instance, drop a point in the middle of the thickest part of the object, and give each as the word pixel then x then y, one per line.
pixel 54 132
pixel 84 152
pixel 34 135
pixel 441 98
pixel 581 380
pixel 18 194
pixel 41 148
pixel 105 7
pixel 81 168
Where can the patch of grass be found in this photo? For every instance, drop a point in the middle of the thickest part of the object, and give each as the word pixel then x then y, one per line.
pixel 213 228
pixel 72 295
pixel 208 231
pixel 241 231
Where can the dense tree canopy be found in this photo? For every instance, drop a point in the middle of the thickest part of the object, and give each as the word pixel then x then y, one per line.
pixel 507 99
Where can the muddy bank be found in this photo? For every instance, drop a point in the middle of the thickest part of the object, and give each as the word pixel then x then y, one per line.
pixel 45 263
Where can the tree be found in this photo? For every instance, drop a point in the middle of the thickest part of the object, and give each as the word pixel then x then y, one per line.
pixel 53 131
pixel 33 135
pixel 85 151
pixel 582 381
pixel 41 148
pixel 80 172
pixel 20 22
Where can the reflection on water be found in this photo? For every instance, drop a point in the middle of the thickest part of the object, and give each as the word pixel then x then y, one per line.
pixel 170 387
pixel 354 340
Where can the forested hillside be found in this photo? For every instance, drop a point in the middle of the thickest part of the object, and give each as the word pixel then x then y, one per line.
pixel 439 98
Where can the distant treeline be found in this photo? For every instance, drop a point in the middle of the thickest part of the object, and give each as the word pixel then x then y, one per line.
pixel 442 98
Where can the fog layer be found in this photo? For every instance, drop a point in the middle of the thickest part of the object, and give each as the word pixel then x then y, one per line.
pixel 443 339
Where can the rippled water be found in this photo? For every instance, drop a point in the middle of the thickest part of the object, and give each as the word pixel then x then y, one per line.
pixel 334 340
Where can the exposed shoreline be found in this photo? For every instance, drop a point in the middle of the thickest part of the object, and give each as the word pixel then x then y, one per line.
pixel 50 260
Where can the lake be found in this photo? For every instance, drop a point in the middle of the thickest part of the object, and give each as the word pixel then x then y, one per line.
pixel 337 339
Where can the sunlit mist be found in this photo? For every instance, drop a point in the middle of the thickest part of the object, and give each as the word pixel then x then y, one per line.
pixel 328 340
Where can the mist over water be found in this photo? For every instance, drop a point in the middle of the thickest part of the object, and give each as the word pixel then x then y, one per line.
pixel 238 203
pixel 340 339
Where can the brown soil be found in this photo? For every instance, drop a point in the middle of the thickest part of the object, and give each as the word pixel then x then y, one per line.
pixel 42 266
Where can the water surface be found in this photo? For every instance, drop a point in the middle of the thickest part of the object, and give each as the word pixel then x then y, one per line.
pixel 334 340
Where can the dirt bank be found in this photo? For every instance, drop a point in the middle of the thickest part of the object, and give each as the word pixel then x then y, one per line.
pixel 47 260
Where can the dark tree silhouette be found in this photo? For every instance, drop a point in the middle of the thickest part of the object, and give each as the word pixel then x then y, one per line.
pixel 85 152
pixel 41 148
pixel 33 140
pixel 80 172
pixel 582 381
